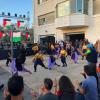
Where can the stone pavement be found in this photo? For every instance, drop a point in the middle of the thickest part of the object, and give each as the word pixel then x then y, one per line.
pixel 35 80
pixel 4 76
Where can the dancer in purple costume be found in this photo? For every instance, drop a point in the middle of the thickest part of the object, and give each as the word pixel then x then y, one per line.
pixel 74 55
pixel 52 62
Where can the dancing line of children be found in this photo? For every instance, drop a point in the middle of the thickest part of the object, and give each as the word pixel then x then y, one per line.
pixel 38 59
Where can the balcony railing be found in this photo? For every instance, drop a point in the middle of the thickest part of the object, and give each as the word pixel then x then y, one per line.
pixel 74 20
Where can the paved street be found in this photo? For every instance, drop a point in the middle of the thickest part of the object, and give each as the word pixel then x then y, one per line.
pixel 35 80
pixel 4 76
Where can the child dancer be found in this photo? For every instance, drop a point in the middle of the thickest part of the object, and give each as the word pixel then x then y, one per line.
pixel 58 51
pixel 63 55
pixel 74 55
pixel 52 62
pixel 38 60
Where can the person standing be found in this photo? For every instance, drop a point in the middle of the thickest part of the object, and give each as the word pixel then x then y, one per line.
pixel 90 54
pixel 83 49
pixel 63 55
pixel 52 47
pixel 23 54
pixel 97 47
pixel 8 57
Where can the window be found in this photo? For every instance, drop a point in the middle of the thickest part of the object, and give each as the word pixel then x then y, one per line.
pixel 86 3
pixel 79 6
pixel 47 18
pixel 73 6
pixel 41 21
pixel 63 8
pixel 41 1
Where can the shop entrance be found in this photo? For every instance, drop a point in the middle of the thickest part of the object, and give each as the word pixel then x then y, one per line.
pixel 75 36
pixel 44 41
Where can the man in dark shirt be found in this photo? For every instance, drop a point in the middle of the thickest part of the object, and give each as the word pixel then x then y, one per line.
pixel 23 54
pixel 46 93
pixel 8 57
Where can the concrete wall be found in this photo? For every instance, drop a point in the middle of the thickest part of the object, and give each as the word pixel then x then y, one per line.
pixel 58 1
pixel 93 32
pixel 49 18
pixel 46 7
pixel 46 29
pixel 96 6
pixel 50 30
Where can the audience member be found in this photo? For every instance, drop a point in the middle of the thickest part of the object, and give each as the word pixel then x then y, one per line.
pixel 88 88
pixel 66 89
pixel 46 93
pixel 15 88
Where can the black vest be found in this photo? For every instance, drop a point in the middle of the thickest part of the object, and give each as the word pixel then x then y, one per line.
pixel 92 57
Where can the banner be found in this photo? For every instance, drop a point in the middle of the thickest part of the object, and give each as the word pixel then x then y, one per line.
pixel 1 34
pixel 7 23
pixel 16 36
pixel 20 24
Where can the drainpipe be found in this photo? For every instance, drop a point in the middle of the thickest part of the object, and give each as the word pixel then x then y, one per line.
pixel 90 19
pixel 90 12
pixel 34 19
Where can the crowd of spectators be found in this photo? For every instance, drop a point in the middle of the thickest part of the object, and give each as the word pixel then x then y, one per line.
pixel 62 89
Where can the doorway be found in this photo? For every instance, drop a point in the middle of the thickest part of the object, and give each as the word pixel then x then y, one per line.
pixel 75 36
pixel 44 41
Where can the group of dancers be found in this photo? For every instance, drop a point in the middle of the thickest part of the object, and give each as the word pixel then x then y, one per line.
pixel 62 50
pixel 57 51
pixel 39 60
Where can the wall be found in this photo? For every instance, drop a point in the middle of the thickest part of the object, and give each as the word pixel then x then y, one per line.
pixel 96 6
pixel 93 32
pixel 46 7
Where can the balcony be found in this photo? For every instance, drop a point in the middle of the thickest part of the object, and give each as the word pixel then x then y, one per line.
pixel 75 20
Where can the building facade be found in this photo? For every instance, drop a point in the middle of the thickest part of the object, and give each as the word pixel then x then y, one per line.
pixel 67 19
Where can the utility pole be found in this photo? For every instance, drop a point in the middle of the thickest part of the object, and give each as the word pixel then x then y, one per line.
pixel 11 39
pixel 28 19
